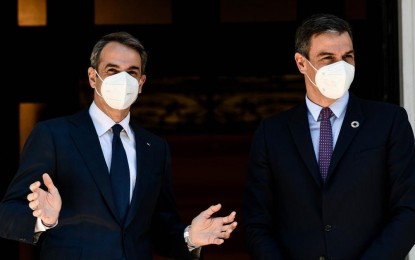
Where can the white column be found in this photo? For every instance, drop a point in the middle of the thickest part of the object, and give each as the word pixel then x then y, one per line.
pixel 406 16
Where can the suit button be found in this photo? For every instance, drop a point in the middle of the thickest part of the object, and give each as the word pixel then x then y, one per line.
pixel 321 258
pixel 327 228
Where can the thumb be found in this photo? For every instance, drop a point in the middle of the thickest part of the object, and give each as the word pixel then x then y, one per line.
pixel 212 210
pixel 48 182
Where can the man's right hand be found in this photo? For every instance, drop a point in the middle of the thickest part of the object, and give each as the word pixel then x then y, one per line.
pixel 46 205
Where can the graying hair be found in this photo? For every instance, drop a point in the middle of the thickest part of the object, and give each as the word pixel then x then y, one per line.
pixel 123 38
pixel 315 25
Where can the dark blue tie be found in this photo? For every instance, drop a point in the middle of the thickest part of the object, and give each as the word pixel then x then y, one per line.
pixel 120 173
pixel 326 142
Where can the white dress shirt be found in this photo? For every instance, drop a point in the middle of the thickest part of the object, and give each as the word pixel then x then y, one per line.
pixel 103 125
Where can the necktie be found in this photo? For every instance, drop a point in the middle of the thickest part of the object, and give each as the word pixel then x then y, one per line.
pixel 326 142
pixel 120 173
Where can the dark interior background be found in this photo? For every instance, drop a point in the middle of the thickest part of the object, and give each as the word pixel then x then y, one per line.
pixel 209 83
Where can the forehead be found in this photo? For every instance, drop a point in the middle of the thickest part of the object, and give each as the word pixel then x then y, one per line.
pixel 119 55
pixel 333 43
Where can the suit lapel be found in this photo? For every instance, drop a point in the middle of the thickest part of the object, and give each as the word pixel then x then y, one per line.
pixel 85 138
pixel 300 131
pixel 352 122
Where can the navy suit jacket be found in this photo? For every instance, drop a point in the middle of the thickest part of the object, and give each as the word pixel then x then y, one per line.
pixel 69 150
pixel 366 209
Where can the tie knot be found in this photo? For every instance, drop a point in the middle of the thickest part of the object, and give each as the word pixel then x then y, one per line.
pixel 116 129
pixel 325 113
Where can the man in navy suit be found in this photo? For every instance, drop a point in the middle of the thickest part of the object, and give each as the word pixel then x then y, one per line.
pixel 62 198
pixel 362 205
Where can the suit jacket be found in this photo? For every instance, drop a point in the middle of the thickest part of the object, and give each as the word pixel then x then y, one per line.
pixel 69 150
pixel 366 209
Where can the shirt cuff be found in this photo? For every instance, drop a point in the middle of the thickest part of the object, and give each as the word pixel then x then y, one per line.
pixel 40 227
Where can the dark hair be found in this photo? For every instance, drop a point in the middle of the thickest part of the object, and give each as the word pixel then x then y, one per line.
pixel 120 37
pixel 315 25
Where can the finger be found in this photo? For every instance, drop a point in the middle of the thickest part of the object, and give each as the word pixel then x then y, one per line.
pixel 218 241
pixel 230 218
pixel 34 204
pixel 212 209
pixel 32 196
pixel 37 213
pixel 48 182
pixel 227 234
pixel 229 228
pixel 234 225
pixel 34 186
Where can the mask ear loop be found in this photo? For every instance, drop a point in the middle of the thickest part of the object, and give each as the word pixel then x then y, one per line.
pixel 98 75
pixel 307 74
pixel 101 80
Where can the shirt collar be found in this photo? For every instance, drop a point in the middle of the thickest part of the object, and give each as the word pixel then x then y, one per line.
pixel 103 123
pixel 338 107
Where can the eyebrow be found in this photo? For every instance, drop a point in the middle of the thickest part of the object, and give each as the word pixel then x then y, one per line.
pixel 331 54
pixel 349 52
pixel 112 65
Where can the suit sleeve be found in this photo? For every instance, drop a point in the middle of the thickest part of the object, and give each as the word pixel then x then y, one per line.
pixel 167 229
pixel 258 202
pixel 398 234
pixel 17 221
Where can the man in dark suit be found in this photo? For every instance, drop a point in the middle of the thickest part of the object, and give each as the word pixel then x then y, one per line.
pixel 361 205
pixel 74 215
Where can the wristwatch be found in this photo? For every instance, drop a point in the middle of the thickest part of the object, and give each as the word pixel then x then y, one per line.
pixel 186 236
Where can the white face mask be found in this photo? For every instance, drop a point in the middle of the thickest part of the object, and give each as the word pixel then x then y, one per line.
pixel 119 90
pixel 333 80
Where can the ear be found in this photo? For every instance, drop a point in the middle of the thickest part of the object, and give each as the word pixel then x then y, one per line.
pixel 300 60
pixel 141 83
pixel 92 77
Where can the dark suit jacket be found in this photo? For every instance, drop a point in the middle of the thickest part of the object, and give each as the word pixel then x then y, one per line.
pixel 69 150
pixel 366 209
